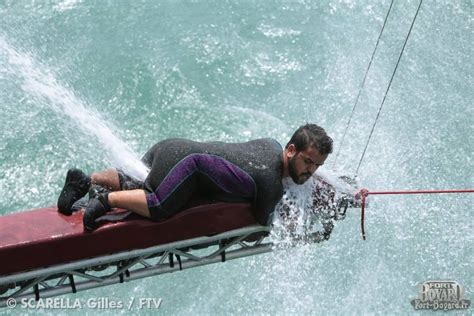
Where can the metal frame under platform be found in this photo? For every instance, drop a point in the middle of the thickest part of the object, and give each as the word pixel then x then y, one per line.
pixel 131 265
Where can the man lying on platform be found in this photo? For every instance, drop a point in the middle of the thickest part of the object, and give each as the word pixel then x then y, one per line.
pixel 249 172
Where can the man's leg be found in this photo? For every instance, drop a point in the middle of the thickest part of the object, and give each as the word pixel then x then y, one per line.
pixel 176 189
pixel 134 200
pixel 203 172
pixel 78 183
pixel 108 178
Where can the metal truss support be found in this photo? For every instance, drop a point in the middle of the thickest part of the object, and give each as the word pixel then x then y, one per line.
pixel 136 264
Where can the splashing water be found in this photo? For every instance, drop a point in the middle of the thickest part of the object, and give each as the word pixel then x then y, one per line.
pixel 183 69
pixel 41 82
pixel 297 207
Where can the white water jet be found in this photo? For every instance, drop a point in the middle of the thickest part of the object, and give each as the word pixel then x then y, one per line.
pixel 39 81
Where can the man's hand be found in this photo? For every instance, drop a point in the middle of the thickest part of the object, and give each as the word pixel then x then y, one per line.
pixel 360 194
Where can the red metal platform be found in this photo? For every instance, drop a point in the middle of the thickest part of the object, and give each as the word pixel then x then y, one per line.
pixel 44 237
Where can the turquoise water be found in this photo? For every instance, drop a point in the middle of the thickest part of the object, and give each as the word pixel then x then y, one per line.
pixel 236 70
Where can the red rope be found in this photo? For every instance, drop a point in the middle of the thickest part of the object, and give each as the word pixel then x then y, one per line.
pixel 364 193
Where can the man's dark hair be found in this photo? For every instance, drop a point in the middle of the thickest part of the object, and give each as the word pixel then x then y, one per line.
pixel 311 135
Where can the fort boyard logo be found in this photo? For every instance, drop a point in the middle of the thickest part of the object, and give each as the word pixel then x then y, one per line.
pixel 440 295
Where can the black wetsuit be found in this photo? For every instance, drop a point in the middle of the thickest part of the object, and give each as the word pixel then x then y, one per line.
pixel 233 172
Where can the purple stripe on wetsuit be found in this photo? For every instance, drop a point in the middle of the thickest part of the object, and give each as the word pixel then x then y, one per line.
pixel 227 176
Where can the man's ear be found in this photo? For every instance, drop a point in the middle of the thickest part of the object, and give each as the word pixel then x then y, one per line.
pixel 291 151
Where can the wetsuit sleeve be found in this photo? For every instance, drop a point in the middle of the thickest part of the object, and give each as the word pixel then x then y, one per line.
pixel 265 204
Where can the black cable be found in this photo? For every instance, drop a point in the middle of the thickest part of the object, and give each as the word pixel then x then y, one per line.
pixel 362 84
pixel 388 87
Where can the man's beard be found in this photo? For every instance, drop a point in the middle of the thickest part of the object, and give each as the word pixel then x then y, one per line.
pixel 297 178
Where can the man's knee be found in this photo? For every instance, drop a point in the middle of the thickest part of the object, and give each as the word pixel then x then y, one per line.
pixel 127 182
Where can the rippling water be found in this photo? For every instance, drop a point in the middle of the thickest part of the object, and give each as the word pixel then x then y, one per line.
pixel 237 70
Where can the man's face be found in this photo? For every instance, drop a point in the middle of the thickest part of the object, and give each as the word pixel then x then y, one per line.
pixel 302 164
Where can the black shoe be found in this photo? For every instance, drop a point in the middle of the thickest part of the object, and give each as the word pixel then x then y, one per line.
pixel 76 186
pixel 97 207
pixel 96 190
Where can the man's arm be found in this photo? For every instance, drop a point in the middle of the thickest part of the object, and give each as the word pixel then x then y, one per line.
pixel 324 209
pixel 265 204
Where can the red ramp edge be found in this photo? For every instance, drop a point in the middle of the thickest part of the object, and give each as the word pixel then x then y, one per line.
pixel 43 237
